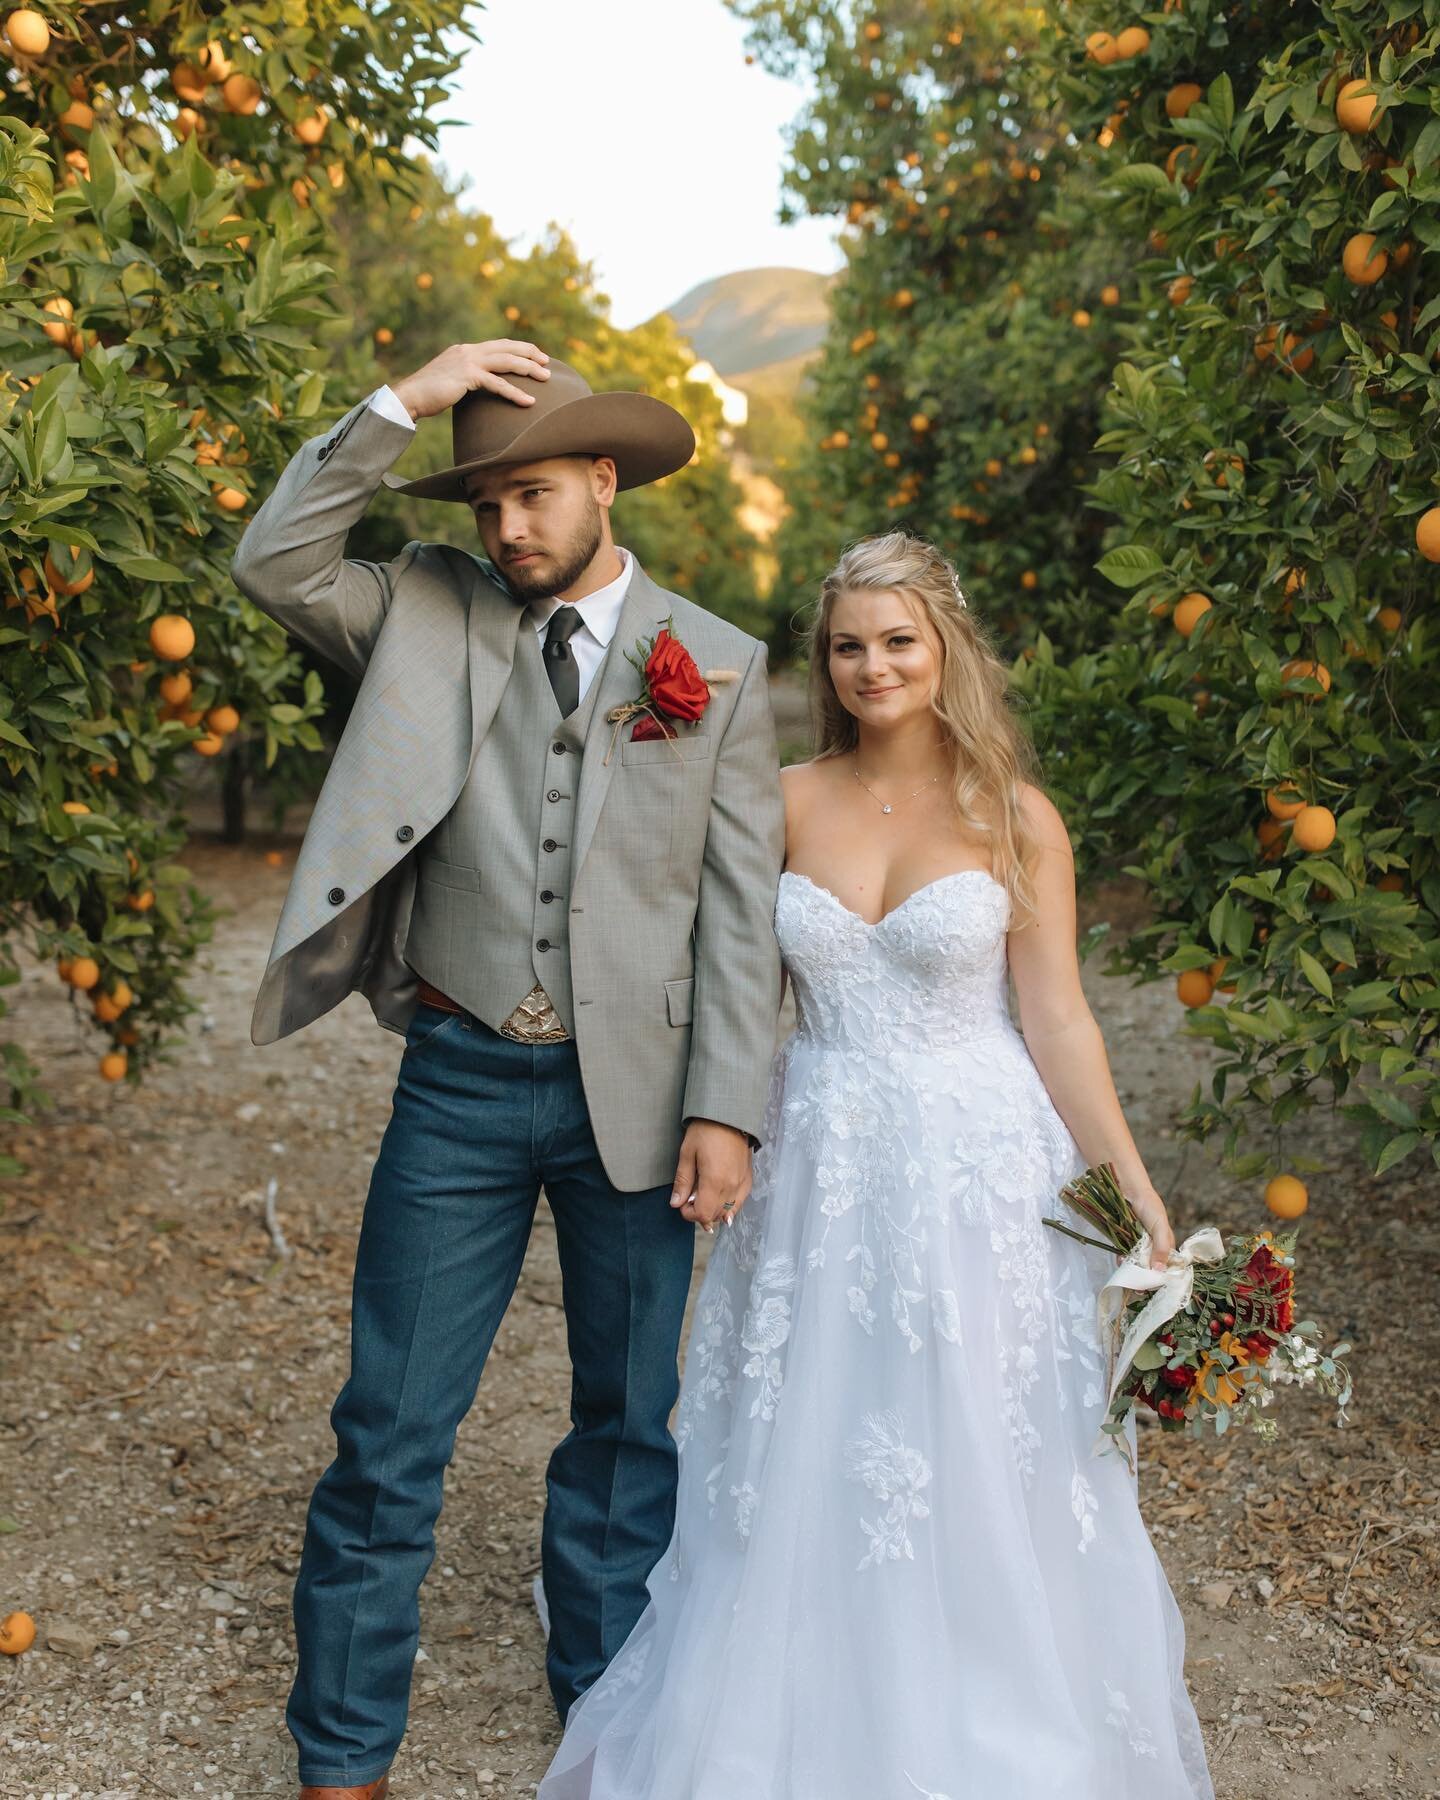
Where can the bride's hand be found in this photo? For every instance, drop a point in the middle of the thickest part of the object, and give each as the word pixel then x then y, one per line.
pixel 1153 1216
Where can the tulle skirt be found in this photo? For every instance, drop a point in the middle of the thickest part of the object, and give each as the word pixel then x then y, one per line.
pixel 898 1567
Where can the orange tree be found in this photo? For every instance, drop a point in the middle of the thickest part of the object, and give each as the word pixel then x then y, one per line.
pixel 977 318
pixel 164 184
pixel 1259 735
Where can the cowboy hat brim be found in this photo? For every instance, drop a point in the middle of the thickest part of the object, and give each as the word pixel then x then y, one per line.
pixel 646 438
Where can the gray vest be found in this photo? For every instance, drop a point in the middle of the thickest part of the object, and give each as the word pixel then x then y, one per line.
pixel 492 891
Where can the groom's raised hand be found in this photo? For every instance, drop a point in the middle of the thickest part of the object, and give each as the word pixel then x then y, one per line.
pixel 463 368
pixel 712 1177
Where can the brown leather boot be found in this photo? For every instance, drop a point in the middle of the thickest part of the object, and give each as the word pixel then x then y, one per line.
pixel 372 1790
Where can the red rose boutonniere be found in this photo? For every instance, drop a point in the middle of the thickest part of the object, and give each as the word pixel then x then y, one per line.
pixel 674 688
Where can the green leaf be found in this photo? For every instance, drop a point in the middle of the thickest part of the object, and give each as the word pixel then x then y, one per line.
pixel 148 568
pixel 1396 1148
pixel 1315 974
pixel 1129 564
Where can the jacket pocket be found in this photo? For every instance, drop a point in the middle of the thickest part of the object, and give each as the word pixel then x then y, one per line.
pixel 680 1000
pixel 681 748
pixel 450 875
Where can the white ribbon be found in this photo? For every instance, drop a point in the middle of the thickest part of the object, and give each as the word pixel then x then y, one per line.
pixel 1172 1287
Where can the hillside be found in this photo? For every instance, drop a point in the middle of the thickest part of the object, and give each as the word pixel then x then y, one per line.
pixel 747 321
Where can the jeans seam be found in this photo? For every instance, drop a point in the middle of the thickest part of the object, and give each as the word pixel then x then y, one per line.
pixel 379 1489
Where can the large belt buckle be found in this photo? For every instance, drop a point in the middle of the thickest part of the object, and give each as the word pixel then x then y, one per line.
pixel 535 1021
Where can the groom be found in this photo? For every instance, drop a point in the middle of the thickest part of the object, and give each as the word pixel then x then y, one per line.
pixel 568 916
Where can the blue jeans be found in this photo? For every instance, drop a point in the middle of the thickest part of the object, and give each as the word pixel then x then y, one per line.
pixel 480 1124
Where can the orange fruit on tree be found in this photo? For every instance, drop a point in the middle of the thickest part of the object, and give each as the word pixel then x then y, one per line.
pixel 1029 454
pixel 228 499
pixel 384 335
pixel 141 902
pixel 114 1064
pixel 1298 359
pixel 1313 829
pixel 175 688
pixel 84 973
pixel 63 576
pixel 28 32
pixel 1080 317
pixel 172 637
pixel 1362 262
pixel 1389 618
pixel 1391 883
pixel 1100 45
pixel 17 1631
pixel 1286 1196
pixel 241 240
pixel 904 298
pixel 1181 98
pixel 213 63
pixel 920 422
pixel 1176 161
pixel 242 94
pixel 59 332
pixel 188 83
pixel 311 128
pixel 1029 579
pixel 1356 105
pixel 1110 294
pixel 1217 969
pixel 209 745
pixel 1134 40
pixel 1284 802
pixel 1427 534
pixel 1179 289
pixel 1301 668
pixel 189 716
pixel 1195 987
pixel 1190 611
pixel 223 720
pixel 187 120
pixel 74 806
pixel 1269 832
pixel 78 116
pixel 994 467
pixel 424 280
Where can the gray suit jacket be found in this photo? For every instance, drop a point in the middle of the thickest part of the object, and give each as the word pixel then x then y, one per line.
pixel 674 964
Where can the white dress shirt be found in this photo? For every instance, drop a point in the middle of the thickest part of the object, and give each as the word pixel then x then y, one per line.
pixel 599 612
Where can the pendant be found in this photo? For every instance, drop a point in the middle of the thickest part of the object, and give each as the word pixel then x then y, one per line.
pixel 885 809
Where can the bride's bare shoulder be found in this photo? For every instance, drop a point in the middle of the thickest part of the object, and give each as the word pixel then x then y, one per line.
pixel 804 783
pixel 1044 819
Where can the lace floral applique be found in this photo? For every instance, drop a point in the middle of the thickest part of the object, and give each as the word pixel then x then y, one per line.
pixel 1084 1505
pixel 765 1331
pixel 879 1458
pixel 1138 1736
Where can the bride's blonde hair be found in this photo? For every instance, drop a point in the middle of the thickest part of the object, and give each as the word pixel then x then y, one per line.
pixel 972 698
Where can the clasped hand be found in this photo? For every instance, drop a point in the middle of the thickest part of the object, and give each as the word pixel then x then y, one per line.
pixel 712 1177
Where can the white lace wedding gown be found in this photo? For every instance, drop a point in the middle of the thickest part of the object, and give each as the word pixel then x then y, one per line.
pixel 897 1569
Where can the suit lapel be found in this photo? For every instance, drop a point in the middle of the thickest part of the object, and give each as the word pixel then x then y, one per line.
pixel 645 610
pixel 492 632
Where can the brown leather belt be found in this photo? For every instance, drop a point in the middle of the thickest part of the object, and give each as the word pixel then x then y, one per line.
pixel 432 996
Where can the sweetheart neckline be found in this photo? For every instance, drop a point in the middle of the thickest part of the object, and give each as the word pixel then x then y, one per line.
pixel 939 881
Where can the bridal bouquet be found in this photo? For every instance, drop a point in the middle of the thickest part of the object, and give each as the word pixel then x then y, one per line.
pixel 1204 1342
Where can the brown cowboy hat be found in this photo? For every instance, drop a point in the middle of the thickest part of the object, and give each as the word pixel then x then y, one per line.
pixel 646 437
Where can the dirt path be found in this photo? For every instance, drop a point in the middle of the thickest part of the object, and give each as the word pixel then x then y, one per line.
pixel 169 1377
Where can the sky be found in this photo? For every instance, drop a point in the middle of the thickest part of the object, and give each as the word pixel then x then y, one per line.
pixel 638 126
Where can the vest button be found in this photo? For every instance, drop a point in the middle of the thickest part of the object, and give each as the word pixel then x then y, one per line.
pixel 405 833
pixel 553 795
pixel 542 943
pixel 335 896
pixel 546 895
pixel 559 749
pixel 549 844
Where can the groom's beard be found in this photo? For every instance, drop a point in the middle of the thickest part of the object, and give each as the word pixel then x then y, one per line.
pixel 554 571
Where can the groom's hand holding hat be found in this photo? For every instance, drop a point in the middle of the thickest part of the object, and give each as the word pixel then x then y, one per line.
pixel 464 368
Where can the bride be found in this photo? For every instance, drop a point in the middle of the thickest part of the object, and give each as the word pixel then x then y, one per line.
pixel 896 1568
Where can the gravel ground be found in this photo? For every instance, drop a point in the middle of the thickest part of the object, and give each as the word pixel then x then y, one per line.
pixel 170 1375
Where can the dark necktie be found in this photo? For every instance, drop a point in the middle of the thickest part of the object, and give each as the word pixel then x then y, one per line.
pixel 560 663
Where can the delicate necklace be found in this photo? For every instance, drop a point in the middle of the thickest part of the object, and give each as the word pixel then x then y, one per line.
pixel 889 805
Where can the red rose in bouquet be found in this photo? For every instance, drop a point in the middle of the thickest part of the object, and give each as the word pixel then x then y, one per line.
pixel 676 688
pixel 1266 1289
